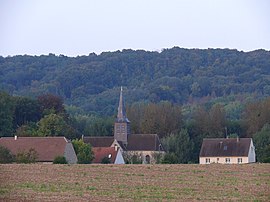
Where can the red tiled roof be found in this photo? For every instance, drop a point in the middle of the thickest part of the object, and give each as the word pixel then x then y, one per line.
pixel 46 147
pixel 102 152
pixel 225 147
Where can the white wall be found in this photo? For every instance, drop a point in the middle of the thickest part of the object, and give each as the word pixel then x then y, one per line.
pixel 119 158
pixel 251 153
pixel 222 160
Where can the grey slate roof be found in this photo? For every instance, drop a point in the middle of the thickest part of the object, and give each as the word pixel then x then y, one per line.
pixel 225 147
pixel 144 142
pixel 99 141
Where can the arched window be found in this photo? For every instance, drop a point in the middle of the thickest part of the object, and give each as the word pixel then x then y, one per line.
pixel 147 159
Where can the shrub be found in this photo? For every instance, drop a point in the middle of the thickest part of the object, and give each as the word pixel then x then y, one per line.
pixel 27 157
pixel 5 155
pixel 60 160
pixel 83 151
pixel 106 160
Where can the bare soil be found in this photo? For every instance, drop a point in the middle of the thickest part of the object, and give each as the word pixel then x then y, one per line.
pixel 43 182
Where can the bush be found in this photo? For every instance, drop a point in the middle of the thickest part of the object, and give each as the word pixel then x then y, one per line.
pixel 27 157
pixel 83 151
pixel 5 155
pixel 170 158
pixel 106 160
pixel 60 160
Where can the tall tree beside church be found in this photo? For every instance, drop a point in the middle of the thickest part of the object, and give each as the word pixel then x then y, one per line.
pixel 6 114
pixel 256 115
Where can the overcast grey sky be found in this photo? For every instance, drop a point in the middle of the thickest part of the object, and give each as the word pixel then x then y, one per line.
pixel 80 27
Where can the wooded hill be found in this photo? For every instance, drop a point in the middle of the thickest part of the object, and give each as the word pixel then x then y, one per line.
pixel 92 83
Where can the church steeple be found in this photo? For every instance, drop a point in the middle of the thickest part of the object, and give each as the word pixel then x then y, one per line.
pixel 121 115
pixel 122 124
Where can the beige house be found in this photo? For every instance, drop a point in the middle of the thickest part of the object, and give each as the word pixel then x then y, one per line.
pixel 227 151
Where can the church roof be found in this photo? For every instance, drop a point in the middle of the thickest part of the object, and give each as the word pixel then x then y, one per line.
pixel 225 147
pixel 144 142
pixel 100 141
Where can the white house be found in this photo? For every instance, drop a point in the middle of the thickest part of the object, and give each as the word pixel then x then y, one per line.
pixel 227 151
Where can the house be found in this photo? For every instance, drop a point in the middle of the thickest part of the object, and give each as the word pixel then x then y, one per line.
pixel 145 146
pixel 47 148
pixel 111 155
pixel 227 151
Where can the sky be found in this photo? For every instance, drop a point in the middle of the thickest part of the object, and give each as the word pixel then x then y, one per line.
pixel 80 27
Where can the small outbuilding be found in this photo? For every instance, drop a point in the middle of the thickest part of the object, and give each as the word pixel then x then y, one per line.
pixel 227 151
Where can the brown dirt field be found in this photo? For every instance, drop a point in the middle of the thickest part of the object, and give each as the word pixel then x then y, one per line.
pixel 41 182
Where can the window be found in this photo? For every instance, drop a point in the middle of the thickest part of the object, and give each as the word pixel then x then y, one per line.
pixel 225 148
pixel 147 159
pixel 239 160
pixel 227 160
pixel 217 159
pixel 207 160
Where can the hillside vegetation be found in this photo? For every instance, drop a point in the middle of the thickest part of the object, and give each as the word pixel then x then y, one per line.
pixel 177 75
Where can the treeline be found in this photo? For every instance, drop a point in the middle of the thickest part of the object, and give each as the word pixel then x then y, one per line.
pixel 181 136
pixel 91 83
pixel 46 116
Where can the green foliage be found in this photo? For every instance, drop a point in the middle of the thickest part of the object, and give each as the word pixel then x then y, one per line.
pixel 83 151
pixel 179 145
pixel 6 114
pixel 162 118
pixel 106 160
pixel 176 75
pixel 262 144
pixel 132 158
pixel 256 115
pixel 27 157
pixel 170 158
pixel 55 125
pixel 5 155
pixel 60 160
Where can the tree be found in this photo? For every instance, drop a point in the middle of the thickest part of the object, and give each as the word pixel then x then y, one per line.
pixel 6 114
pixel 26 110
pixel 179 145
pixel 256 115
pixel 55 125
pixel 51 104
pixel 5 155
pixel 83 151
pixel 262 144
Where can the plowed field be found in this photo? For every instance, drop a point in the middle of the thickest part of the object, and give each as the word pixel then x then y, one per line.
pixel 43 182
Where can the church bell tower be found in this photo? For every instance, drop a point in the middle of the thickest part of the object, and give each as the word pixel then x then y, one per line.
pixel 122 124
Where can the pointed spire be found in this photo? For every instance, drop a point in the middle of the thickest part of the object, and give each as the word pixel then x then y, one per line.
pixel 121 115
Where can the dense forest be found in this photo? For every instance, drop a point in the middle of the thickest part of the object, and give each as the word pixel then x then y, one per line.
pixel 91 83
pixel 183 95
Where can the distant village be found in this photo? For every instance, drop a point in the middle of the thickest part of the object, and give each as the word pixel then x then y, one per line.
pixel 121 148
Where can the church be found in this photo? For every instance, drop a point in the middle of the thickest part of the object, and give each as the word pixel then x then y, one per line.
pixel 136 148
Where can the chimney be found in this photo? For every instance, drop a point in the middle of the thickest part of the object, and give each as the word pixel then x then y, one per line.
pixel 15 137
pixel 237 139
pixel 82 137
